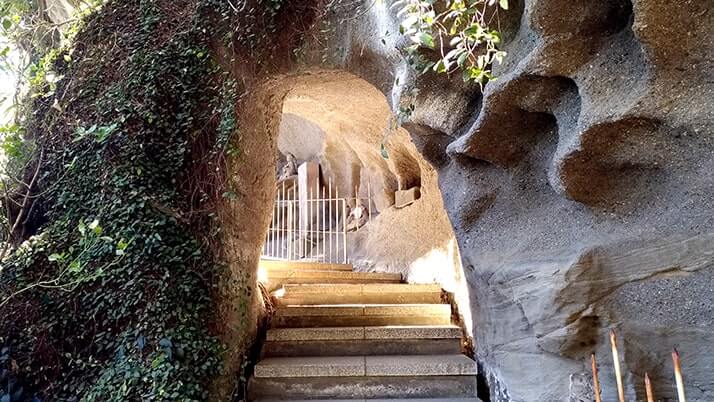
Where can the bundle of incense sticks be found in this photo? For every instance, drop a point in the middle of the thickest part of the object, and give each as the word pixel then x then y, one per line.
pixel 648 383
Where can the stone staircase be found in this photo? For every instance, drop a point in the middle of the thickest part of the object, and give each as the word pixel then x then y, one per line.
pixel 342 335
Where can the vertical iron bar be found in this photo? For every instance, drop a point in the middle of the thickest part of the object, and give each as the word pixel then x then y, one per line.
pixel 344 231
pixel 369 201
pixel 291 206
pixel 358 204
pixel 294 225
pixel 308 238
pixel 337 221
pixel 322 229
pixel 282 230
pixel 272 233
pixel 317 215
pixel 277 227
pixel 277 223
pixel 307 222
pixel 329 206
pixel 289 229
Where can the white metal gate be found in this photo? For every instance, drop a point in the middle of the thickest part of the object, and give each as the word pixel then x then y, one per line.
pixel 315 228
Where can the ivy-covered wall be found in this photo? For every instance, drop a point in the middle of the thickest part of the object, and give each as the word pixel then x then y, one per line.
pixel 118 294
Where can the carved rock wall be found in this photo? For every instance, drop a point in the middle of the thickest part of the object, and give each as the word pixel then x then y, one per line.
pixel 342 123
pixel 580 186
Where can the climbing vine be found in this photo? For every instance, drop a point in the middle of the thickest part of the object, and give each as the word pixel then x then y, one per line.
pixel 120 310
pixel 120 157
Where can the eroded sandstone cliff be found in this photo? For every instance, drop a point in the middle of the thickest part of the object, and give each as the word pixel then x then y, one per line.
pixel 580 187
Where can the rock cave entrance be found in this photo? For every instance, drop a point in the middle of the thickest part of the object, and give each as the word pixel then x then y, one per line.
pixel 338 123
pixel 337 137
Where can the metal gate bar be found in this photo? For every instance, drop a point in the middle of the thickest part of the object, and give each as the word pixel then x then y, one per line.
pixel 323 237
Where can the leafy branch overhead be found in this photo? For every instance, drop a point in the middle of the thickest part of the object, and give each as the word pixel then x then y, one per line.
pixel 459 30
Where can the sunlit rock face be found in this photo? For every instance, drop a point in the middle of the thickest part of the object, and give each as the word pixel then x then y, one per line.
pixel 580 186
pixel 59 11
pixel 345 125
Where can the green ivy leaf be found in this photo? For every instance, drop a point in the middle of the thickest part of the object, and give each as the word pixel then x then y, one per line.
pixel 426 39
pixel 503 4
pixel 75 266
pixel 122 244
pixel 462 59
pixel 94 226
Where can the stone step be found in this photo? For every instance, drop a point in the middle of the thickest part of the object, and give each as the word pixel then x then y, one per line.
pixel 363 341
pixel 361 347
pixel 276 278
pixel 438 388
pixel 350 333
pixel 370 366
pixel 279 265
pixel 355 315
pixel 377 293
pixel 374 400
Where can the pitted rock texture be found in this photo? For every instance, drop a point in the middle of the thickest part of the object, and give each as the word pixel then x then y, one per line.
pixel 580 185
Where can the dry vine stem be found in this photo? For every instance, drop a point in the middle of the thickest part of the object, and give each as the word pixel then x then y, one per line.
pixel 26 198
pixel 596 380
pixel 678 376
pixel 616 361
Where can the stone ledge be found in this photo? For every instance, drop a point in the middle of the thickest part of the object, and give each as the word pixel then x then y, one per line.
pixel 420 365
pixel 359 366
pixel 341 366
pixel 403 198
pixel 365 332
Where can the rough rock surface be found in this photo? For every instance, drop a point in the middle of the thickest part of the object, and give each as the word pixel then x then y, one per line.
pixel 342 123
pixel 580 186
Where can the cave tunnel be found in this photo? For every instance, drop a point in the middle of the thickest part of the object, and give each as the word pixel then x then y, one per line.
pixel 373 200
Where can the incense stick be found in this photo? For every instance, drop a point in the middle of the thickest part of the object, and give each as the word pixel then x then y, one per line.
pixel 678 376
pixel 648 388
pixel 596 380
pixel 618 373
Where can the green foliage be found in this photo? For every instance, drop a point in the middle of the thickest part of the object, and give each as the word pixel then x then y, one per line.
pixel 42 77
pixel 73 264
pixel 99 133
pixel 12 142
pixel 124 316
pixel 132 120
pixel 17 152
pixel 458 30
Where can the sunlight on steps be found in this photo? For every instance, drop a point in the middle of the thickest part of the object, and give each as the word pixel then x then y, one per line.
pixel 343 335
